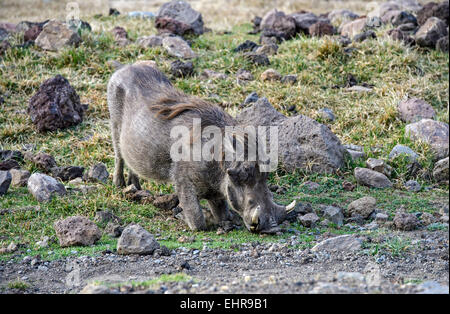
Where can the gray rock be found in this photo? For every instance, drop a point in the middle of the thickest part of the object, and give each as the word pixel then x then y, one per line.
pixel 403 150
pixel 327 114
pixel 303 21
pixel 260 113
pixel 363 207
pixel 374 22
pixel 19 177
pixel 210 74
pixel 76 230
pixel 398 17
pixel 415 109
pixel 56 35
pixel 339 244
pixel 267 49
pixel 182 11
pixel 177 47
pixel 430 32
pixel 413 186
pixel 372 178
pixel 251 98
pixel 244 75
pixel 428 219
pixel 150 41
pixel 278 22
pixel 334 214
pixel 379 166
pixel 352 28
pixel 113 229
pixel 405 221
pixel 98 173
pixel 364 35
pixel 432 132
pixel 5 182
pixel 442 44
pixel 44 187
pixel 355 155
pixel 339 16
pixel 105 216
pixel 136 240
pixel 305 143
pixel 440 171
pixel 309 220
pixel 289 79
pixel 381 217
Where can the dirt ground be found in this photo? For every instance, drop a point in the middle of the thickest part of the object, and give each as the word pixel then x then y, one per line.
pixel 250 268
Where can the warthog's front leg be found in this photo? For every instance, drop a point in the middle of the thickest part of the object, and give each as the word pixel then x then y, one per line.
pixel 133 179
pixel 192 212
pixel 221 213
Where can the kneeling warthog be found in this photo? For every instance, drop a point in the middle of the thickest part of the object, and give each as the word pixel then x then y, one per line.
pixel 144 108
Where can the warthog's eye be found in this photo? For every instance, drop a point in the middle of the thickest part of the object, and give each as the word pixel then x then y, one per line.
pixel 251 203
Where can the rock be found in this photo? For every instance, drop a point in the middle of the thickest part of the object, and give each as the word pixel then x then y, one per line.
pixel 398 17
pixel 439 10
pixel 305 143
pixel 171 26
pixel 432 287
pixel 44 161
pixel 379 166
pixel 56 105
pixel 432 132
pixel 327 114
pixel 98 173
pixel 339 16
pixel 104 216
pixel 5 182
pixel 355 155
pixel 79 25
pixel 399 150
pixel 405 221
pixel 260 113
pixel 56 35
pixel 8 27
pixel 150 41
pixel 257 59
pixel 348 186
pixel 181 69
pixel 303 21
pixel 270 75
pixel 350 29
pixel 442 44
pixel 136 240
pixel 413 186
pixel 44 187
pixel 408 28
pixel 113 12
pixel 381 218
pixel 309 220
pixel 19 177
pixel 372 178
pixel 244 75
pixel 9 164
pixel 182 12
pixel 113 229
pixel 76 230
pixel 430 32
pixel 177 47
pixel 373 22
pixel 359 89
pixel 247 45
pixel 339 244
pixel 396 34
pixel 303 209
pixel 32 33
pixel 166 202
pixel 415 109
pixel 120 36
pixel 289 79
pixel 427 219
pixel 267 49
pixel 278 22
pixel 210 74
pixel 364 35
pixel 321 28
pixel 67 173
pixel 440 171
pixel 334 214
pixel 251 98
pixel 363 207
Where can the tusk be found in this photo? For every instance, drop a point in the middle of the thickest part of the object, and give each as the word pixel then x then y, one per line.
pixel 255 216
pixel 290 207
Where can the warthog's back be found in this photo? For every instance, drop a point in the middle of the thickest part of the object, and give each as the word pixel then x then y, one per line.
pixel 144 106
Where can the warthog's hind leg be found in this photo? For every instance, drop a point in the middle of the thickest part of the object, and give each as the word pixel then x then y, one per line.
pixel 133 179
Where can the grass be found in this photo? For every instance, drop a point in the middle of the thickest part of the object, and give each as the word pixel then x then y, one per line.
pixel 18 285
pixel 368 119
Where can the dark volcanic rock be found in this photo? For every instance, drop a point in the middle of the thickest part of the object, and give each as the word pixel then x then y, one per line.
pixel 56 105
pixel 303 21
pixel 32 33
pixel 442 44
pixel 181 69
pixel 67 173
pixel 247 45
pixel 166 202
pixel 5 182
pixel 169 25
pixel 11 154
pixel 257 59
pixel 183 13
pixel 321 28
pixel 364 35
pixel 44 161
pixel 279 23
pixel 430 9
pixel 9 164
pixel 430 32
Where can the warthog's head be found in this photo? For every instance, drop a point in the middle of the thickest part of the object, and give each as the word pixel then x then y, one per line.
pixel 249 196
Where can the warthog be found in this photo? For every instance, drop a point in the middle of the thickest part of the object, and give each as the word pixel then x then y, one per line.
pixel 144 107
